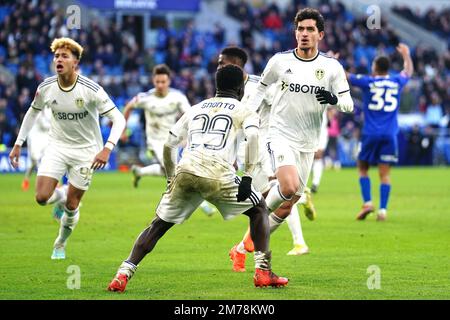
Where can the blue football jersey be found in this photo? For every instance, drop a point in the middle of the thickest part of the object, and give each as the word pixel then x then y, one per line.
pixel 381 100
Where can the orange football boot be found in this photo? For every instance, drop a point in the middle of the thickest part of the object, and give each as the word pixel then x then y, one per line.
pixel 238 259
pixel 119 283
pixel 264 278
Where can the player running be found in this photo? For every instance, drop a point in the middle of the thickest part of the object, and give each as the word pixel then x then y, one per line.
pixel 264 171
pixel 306 82
pixel 75 141
pixel 213 129
pixel 162 106
pixel 379 146
pixel 37 142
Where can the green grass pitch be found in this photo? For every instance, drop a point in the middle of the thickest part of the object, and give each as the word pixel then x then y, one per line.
pixel 411 249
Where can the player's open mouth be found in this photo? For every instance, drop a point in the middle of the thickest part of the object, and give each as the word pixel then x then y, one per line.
pixel 59 67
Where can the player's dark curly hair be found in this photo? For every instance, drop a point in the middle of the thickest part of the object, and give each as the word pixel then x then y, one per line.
pixel 236 52
pixel 310 13
pixel 161 69
pixel 230 77
pixel 382 64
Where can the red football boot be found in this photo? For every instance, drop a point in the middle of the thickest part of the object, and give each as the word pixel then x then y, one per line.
pixel 119 283
pixel 25 184
pixel 238 259
pixel 264 278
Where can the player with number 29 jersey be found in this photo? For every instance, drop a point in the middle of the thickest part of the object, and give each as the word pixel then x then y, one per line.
pixel 213 129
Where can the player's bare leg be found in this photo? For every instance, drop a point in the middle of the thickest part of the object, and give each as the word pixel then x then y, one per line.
pixel 384 170
pixel 45 190
pixel 151 170
pixel 144 244
pixel 68 221
pixel 364 181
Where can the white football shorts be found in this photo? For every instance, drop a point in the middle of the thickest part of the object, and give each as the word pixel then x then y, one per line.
pixel 158 147
pixel 282 154
pixel 76 162
pixel 187 191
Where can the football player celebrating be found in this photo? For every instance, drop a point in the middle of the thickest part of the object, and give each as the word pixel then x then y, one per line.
pixel 213 130
pixel 75 141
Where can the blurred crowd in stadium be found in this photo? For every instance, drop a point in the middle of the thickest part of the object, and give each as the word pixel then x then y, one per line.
pixel 115 58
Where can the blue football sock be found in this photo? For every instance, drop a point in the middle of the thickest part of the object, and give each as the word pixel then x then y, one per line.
pixel 364 183
pixel 385 189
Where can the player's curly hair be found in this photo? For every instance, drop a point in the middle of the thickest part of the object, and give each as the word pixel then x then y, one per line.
pixel 67 43
pixel 230 77
pixel 310 13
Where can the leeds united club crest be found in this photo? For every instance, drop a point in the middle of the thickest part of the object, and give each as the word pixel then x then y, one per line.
pixel 79 102
pixel 319 74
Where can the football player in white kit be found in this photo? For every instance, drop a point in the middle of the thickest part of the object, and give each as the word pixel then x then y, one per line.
pixel 75 141
pixel 213 129
pixel 162 106
pixel 318 165
pixel 264 171
pixel 306 82
pixel 37 142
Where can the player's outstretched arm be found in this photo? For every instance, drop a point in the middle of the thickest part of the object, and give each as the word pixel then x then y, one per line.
pixel 27 124
pixel 118 125
pixel 408 66
pixel 128 108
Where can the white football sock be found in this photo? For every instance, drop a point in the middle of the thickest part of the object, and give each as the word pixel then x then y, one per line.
pixel 68 223
pixel 59 195
pixel 302 199
pixel 275 198
pixel 274 222
pixel 151 170
pixel 317 171
pixel 294 224
pixel 127 268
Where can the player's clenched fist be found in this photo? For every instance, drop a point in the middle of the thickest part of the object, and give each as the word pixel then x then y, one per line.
pixel 324 97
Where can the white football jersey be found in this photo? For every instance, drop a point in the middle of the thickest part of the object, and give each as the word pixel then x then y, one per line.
pixel 161 113
pixel 75 121
pixel 296 115
pixel 213 129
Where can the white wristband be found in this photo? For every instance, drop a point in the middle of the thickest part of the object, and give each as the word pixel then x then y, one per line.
pixel 109 145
